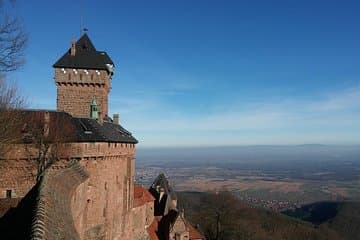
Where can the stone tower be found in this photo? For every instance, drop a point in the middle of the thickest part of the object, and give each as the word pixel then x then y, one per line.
pixel 83 74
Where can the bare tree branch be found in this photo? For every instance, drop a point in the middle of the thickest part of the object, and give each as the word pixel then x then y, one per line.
pixel 45 136
pixel 10 116
pixel 13 40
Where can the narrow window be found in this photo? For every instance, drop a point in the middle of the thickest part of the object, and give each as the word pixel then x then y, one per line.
pixel 92 76
pixel 8 193
pixel 80 76
pixel 69 77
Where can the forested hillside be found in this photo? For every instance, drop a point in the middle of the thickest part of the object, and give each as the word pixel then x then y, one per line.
pixel 223 217
pixel 343 217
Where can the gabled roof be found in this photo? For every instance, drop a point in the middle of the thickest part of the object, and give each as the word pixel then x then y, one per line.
pixel 161 226
pixel 194 234
pixel 86 57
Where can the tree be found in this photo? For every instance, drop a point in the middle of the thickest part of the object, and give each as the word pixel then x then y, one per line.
pixel 222 216
pixel 10 117
pixel 13 40
pixel 45 135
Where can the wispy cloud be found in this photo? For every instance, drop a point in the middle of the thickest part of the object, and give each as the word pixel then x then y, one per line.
pixel 346 99
pixel 335 117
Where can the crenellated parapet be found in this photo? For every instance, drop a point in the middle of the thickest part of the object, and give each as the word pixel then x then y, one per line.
pixel 82 77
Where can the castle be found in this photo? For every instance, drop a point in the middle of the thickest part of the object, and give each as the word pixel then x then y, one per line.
pixel 71 174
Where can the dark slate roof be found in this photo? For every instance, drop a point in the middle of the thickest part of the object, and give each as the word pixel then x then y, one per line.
pixel 74 129
pixel 86 57
pixel 89 130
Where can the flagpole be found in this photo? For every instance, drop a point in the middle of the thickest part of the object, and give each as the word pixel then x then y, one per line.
pixel 81 18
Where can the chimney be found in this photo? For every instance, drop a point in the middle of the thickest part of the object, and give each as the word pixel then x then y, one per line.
pixel 46 123
pixel 73 47
pixel 116 119
pixel 101 118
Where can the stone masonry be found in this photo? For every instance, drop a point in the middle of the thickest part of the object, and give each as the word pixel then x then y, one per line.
pixel 101 206
pixel 77 87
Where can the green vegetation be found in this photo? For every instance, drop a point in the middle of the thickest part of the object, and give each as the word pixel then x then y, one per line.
pixel 343 217
pixel 347 220
pixel 222 216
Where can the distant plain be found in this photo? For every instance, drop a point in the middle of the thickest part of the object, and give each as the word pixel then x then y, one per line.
pixel 274 177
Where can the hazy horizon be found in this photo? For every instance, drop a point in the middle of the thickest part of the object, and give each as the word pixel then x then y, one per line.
pixel 139 146
pixel 255 153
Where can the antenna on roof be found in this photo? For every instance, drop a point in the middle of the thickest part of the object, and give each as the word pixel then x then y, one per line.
pixel 81 17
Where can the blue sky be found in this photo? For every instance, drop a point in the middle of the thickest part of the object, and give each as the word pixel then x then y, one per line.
pixel 205 73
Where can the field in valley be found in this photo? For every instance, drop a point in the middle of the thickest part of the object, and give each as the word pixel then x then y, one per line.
pixel 274 178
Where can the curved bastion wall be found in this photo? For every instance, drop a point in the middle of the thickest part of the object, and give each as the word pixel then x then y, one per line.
pixel 101 205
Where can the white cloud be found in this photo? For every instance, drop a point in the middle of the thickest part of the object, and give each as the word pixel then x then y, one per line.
pixel 346 99
pixel 335 118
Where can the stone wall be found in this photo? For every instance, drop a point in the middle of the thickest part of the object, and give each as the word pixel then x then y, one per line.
pixel 101 206
pixel 77 87
pixel 17 176
pixel 142 217
pixel 18 170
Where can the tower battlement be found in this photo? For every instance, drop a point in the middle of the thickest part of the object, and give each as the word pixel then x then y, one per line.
pixel 82 74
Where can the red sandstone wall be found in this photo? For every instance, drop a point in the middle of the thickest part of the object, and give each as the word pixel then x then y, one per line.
pixel 19 169
pixel 75 91
pixel 17 175
pixel 149 215
pixel 138 223
pixel 142 217
pixel 101 206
